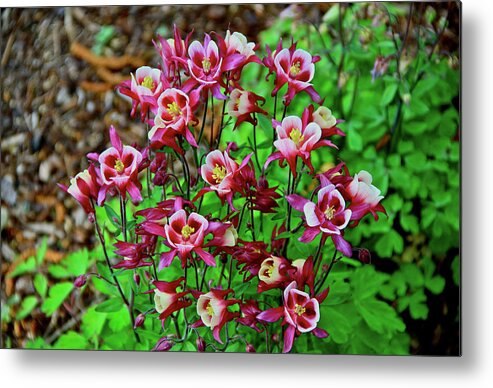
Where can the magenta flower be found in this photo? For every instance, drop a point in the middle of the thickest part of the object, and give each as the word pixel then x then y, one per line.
pixel 295 139
pixel 205 67
pixel 300 312
pixel 144 89
pixel 294 67
pixel 249 313
pixel 212 308
pixel 84 187
pixel 134 255
pixel 119 168
pixel 167 299
pixel 221 173
pixel 274 272
pixel 174 114
pixel 365 198
pixel 243 105
pixel 329 216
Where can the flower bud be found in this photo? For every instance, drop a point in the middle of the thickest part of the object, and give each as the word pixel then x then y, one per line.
pixel 250 349
pixel 362 254
pixel 139 321
pixel 275 338
pixel 200 342
pixel 163 345
pixel 80 281
pixel 136 278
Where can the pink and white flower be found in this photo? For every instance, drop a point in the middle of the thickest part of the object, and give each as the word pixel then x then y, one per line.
pixel 365 197
pixel 328 216
pixel 295 138
pixel 144 88
pixel 119 168
pixel 243 105
pixel 174 114
pixel 212 308
pixel 84 187
pixel 294 67
pixel 274 272
pixel 167 299
pixel 300 312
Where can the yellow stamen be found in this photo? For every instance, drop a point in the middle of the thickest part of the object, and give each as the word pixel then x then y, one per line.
pixel 119 166
pixel 210 310
pixel 270 270
pixel 295 69
pixel 206 65
pixel 218 173
pixel 186 231
pixel 173 109
pixel 300 310
pixel 296 136
pixel 329 213
pixel 148 82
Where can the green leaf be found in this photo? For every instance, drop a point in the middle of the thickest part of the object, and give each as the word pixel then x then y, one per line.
pixel 366 282
pixel 93 322
pixel 27 266
pixel 435 284
pixel 71 341
pixel 40 284
pixel 110 306
pixel 113 216
pixel 456 270
pixel 41 253
pixel 380 316
pixel 27 305
pixel 57 295
pixel 354 140
pixel 388 94
pixel 336 323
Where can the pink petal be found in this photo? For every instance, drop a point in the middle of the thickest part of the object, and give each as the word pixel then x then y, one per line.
pixel 288 338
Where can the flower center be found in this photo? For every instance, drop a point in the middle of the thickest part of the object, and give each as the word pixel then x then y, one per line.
pixel 218 173
pixel 186 231
pixel 119 166
pixel 270 270
pixel 210 310
pixel 300 310
pixel 206 65
pixel 296 136
pixel 173 109
pixel 148 82
pixel 295 69
pixel 329 213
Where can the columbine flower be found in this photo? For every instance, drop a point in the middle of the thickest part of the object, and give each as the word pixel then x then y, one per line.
pixel 274 271
pixel 174 114
pixel 173 55
pixel 221 172
pixel 300 312
pixel 134 255
pixel 249 312
pixel 166 298
pixel 329 216
pixel 365 198
pixel 119 168
pixel 84 187
pixel 144 89
pixel 205 67
pixel 243 105
pixel 294 67
pixel 213 310
pixel 294 138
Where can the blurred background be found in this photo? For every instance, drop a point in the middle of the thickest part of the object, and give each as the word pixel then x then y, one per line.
pixel 59 69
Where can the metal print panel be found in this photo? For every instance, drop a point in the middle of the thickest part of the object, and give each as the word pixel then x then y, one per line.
pixel 271 178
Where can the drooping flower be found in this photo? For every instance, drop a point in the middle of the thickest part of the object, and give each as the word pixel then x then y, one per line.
pixel 274 272
pixel 294 67
pixel 167 299
pixel 119 168
pixel 328 216
pixel 174 114
pixel 243 105
pixel 249 312
pixel 251 255
pixel 212 308
pixel 300 313
pixel 135 254
pixel 144 89
pixel 84 187
pixel 365 197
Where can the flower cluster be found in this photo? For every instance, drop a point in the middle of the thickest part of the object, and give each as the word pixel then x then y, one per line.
pixel 207 231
